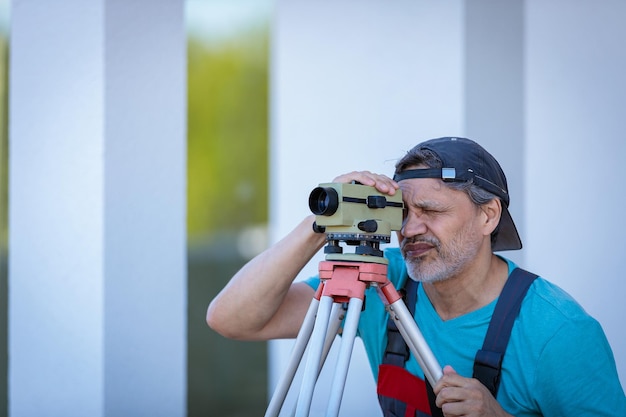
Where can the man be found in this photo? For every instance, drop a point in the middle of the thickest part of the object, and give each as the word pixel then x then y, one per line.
pixel 557 361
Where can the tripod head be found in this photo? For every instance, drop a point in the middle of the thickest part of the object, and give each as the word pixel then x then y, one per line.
pixel 357 215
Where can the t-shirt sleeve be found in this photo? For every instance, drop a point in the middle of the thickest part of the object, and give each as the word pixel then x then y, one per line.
pixel 313 281
pixel 576 373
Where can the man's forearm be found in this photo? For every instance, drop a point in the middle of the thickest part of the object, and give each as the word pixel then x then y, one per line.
pixel 249 305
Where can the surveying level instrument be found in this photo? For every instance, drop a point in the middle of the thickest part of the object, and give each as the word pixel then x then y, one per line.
pixel 356 215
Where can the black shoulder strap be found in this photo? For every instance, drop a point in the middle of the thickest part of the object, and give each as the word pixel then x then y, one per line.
pixel 488 361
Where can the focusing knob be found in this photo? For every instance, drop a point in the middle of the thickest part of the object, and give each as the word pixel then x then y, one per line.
pixel 368 226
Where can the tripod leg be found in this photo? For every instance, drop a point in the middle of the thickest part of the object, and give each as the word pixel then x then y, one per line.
pixel 316 347
pixel 345 353
pixel 333 328
pixel 336 317
pixel 286 380
pixel 416 342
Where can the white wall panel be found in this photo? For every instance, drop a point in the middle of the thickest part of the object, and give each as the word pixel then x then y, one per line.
pixel 575 88
pixel 354 86
pixel 97 267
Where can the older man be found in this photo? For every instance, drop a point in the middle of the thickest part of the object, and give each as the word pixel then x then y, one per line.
pixel 550 359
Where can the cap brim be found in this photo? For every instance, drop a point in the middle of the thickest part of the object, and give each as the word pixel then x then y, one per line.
pixel 508 238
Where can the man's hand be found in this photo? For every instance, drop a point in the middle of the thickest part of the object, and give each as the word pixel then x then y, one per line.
pixel 381 182
pixel 460 396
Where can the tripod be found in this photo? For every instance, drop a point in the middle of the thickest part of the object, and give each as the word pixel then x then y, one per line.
pixel 343 281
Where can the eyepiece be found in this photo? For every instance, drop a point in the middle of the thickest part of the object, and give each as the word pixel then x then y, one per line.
pixel 324 201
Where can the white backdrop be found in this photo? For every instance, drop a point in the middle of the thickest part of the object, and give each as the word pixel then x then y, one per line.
pixel 354 87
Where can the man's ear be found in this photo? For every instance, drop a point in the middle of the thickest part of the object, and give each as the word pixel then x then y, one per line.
pixel 492 211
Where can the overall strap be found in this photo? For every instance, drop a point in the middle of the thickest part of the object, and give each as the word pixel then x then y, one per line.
pixel 488 361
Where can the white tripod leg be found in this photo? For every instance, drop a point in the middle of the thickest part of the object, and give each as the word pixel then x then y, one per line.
pixel 345 353
pixel 311 370
pixel 286 380
pixel 336 318
pixel 415 341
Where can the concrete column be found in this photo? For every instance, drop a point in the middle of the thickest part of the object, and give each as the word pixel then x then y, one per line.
pixel 97 288
pixel 575 68
pixel 354 86
pixel 494 92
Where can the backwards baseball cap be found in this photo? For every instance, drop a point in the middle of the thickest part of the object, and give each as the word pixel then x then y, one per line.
pixel 464 160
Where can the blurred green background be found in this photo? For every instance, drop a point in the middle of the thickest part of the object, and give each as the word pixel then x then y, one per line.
pixel 4 55
pixel 227 195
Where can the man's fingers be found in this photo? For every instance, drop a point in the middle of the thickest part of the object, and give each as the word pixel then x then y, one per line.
pixel 383 183
pixel 449 395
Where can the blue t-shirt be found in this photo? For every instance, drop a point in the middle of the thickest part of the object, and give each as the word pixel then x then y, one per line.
pixel 558 361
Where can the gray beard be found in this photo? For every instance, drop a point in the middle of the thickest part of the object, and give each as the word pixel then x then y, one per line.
pixel 449 262
pixel 419 272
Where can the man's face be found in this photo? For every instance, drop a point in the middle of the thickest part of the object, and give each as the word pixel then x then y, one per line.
pixel 440 236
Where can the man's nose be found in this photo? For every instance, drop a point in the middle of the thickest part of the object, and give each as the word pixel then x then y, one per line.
pixel 413 225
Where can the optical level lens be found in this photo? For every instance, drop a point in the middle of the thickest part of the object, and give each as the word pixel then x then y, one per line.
pixel 324 201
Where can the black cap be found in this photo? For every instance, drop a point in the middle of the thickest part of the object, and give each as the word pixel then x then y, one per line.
pixel 465 160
